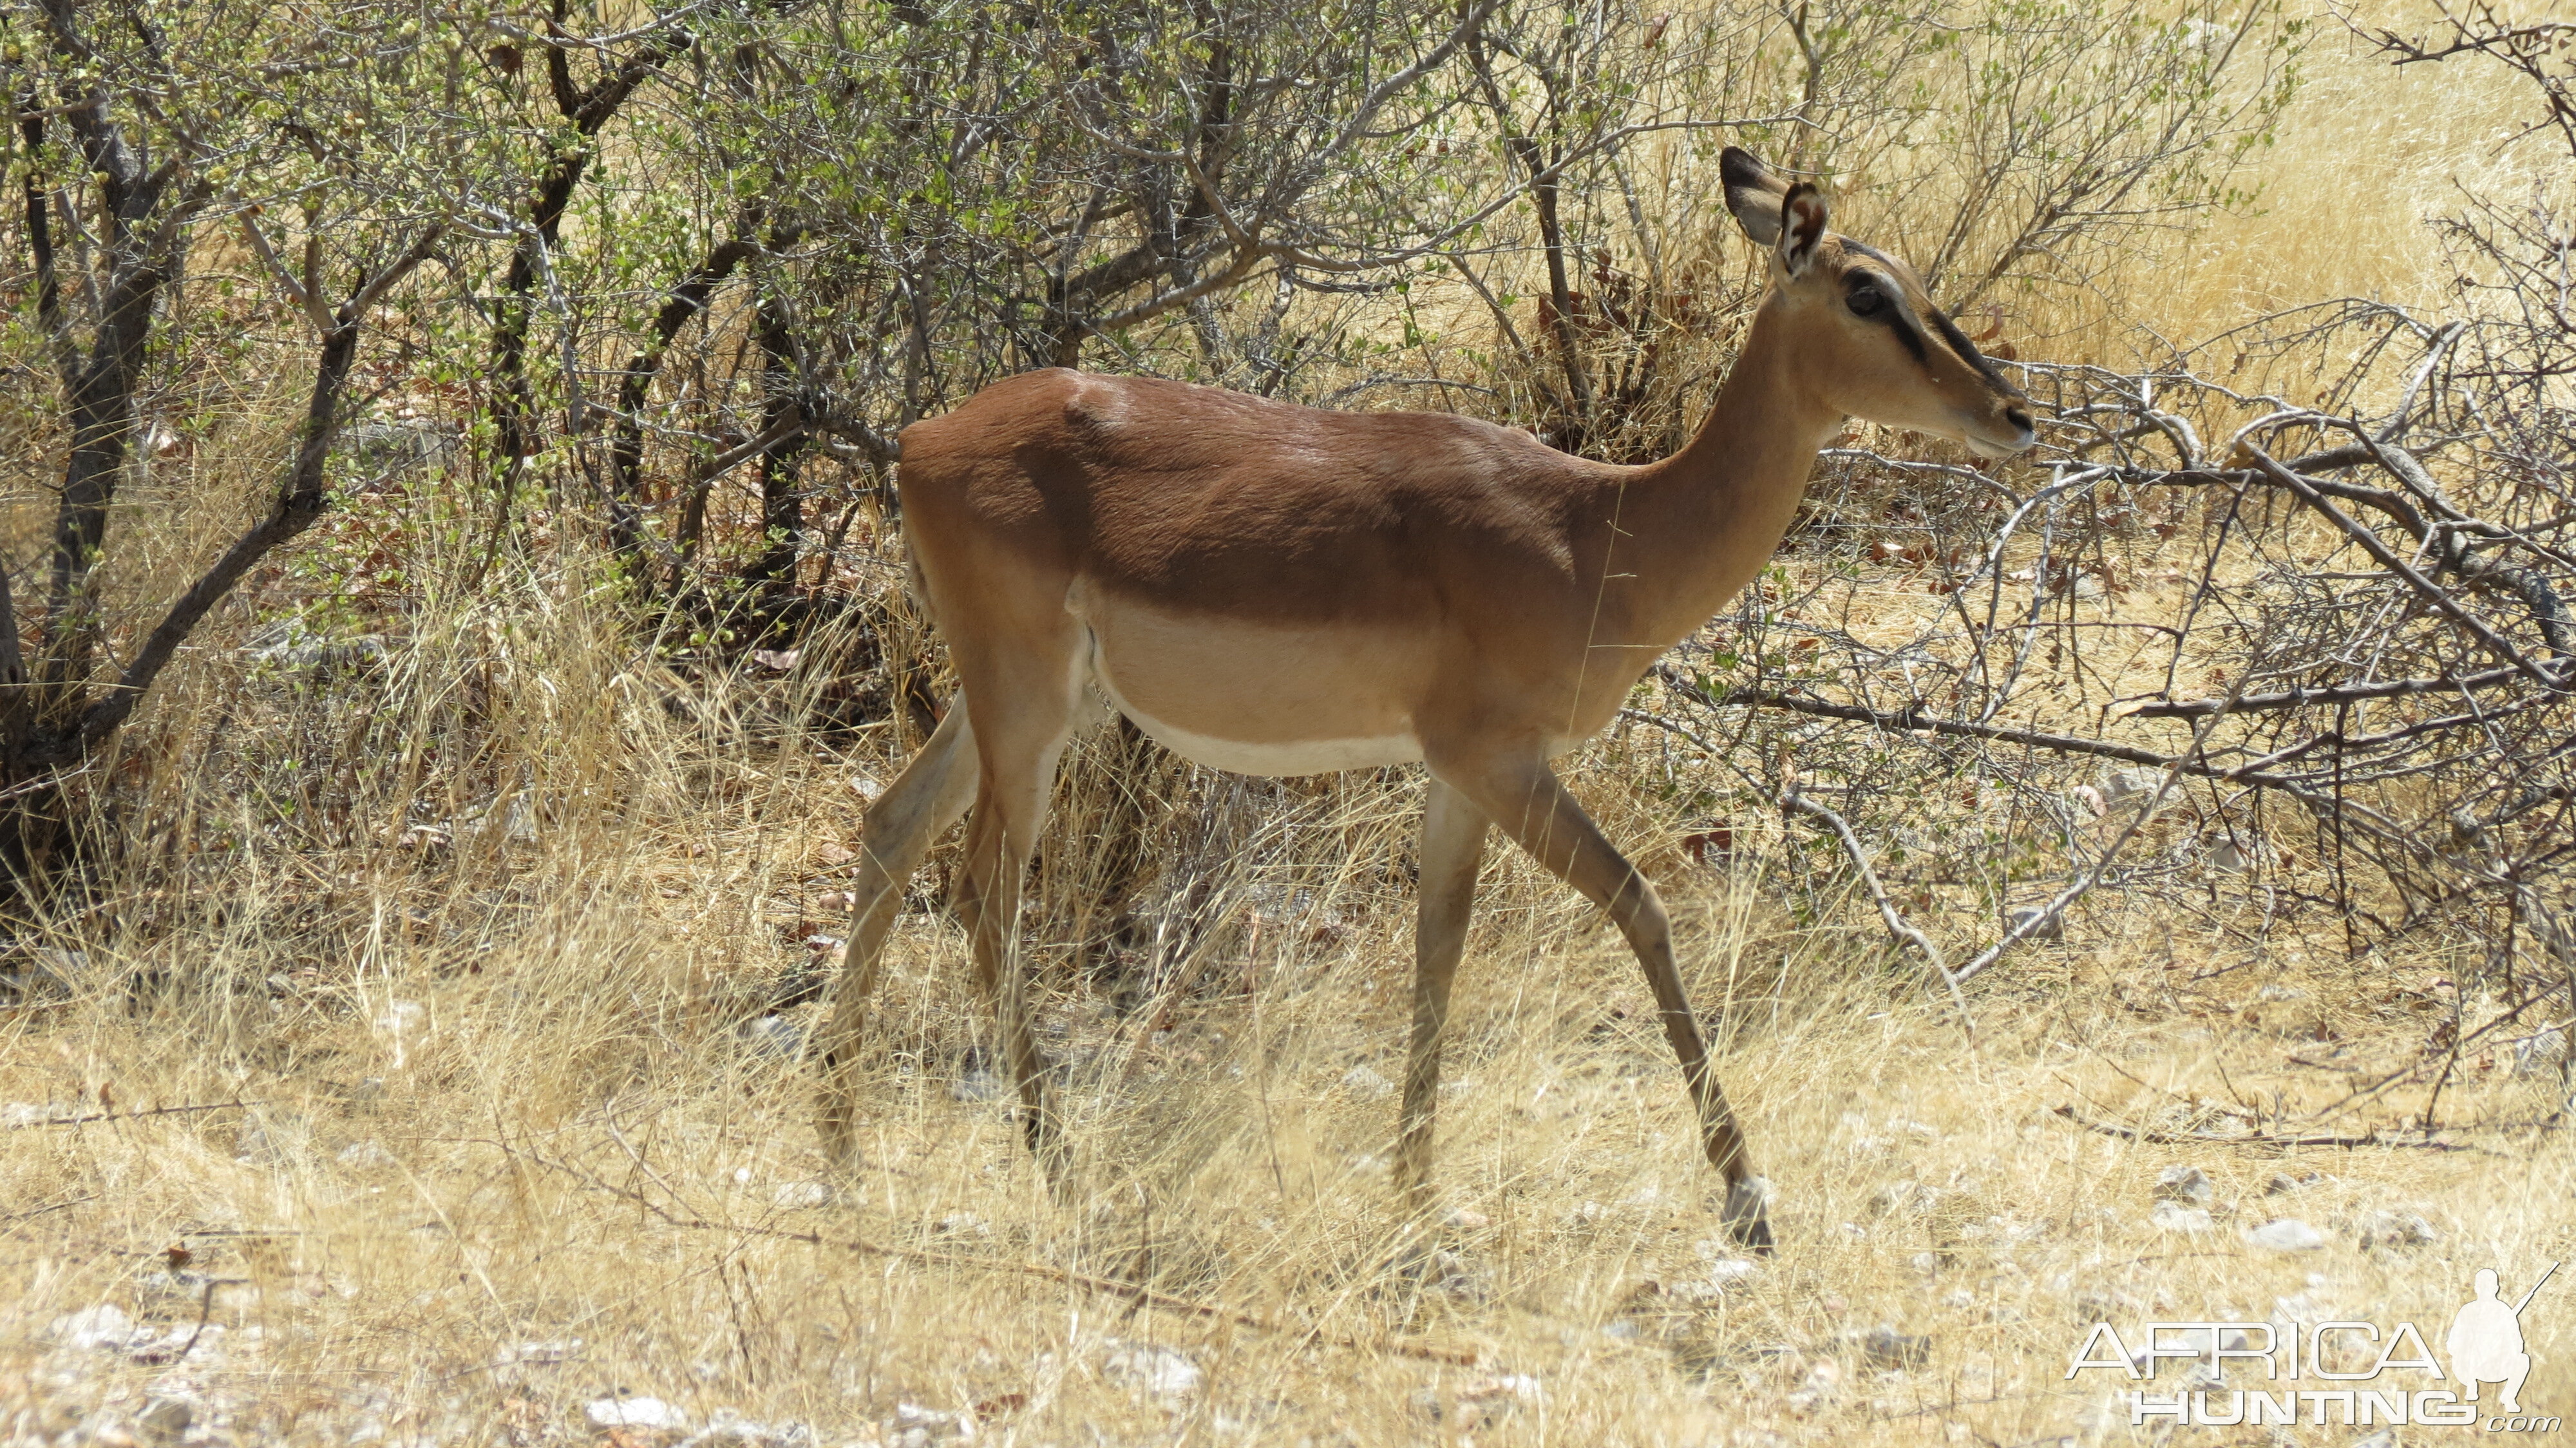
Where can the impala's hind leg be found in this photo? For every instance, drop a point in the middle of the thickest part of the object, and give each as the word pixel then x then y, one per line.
pixel 930 794
pixel 1019 736
pixel 1525 797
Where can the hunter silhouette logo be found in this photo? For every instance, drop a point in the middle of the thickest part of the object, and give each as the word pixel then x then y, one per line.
pixel 2228 1373
pixel 2486 1341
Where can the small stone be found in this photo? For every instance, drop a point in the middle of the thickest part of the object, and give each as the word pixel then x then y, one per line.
pixel 2118 785
pixel 2175 1217
pixel 1361 1081
pixel 1897 1196
pixel 2053 928
pixel 1485 1399
pixel 2542 1051
pixel 801 1196
pixel 649 1414
pixel 727 1428
pixel 2397 1229
pixel 2286 1234
pixel 364 1156
pixel 92 1328
pixel 2280 993
pixel 537 1354
pixel 166 1420
pixel 2282 1183
pixel 1465 1219
pixel 2184 1184
pixel 774 1036
pixel 1733 1271
pixel 1158 1372
pixel 964 1224
pixel 1883 1347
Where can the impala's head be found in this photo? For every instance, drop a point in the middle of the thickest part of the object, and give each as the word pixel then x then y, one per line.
pixel 1863 329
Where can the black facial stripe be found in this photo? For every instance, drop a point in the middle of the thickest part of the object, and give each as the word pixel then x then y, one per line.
pixel 1967 350
pixel 1893 312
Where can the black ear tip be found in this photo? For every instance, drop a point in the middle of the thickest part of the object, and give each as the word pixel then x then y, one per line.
pixel 1737 166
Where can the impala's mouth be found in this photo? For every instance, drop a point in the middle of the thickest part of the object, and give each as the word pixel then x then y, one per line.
pixel 2025 433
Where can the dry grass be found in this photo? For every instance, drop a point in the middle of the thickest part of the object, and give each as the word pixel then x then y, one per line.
pixel 512 1128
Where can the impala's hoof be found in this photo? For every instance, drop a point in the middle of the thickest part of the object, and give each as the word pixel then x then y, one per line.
pixel 1748 1213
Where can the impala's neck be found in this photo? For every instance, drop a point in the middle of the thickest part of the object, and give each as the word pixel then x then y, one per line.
pixel 1699 525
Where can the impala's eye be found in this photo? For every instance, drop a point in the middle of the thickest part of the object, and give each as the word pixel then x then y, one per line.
pixel 1866 302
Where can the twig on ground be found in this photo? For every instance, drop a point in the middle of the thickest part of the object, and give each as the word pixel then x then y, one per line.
pixel 126 1115
pixel 2257 1138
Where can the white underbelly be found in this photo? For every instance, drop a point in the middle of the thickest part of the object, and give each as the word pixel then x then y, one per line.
pixel 1250 697
pixel 1275 758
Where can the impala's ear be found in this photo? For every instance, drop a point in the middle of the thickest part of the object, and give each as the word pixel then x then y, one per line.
pixel 1802 228
pixel 1752 193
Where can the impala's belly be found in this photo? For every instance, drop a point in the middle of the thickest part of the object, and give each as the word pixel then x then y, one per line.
pixel 1256 698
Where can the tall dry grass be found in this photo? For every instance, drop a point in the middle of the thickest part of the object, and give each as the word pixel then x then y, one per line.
pixel 457 975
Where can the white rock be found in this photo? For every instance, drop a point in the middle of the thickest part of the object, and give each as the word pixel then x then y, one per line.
pixel 650 1414
pixel 914 1415
pixel 2051 929
pixel 2397 1229
pixel 2286 1234
pixel 364 1155
pixel 729 1429
pixel 2175 1217
pixel 2125 784
pixel 1361 1081
pixel 2183 1184
pixel 2541 1051
pixel 166 1420
pixel 801 1196
pixel 775 1036
pixel 91 1328
pixel 1484 1401
pixel 533 1354
pixel 1158 1372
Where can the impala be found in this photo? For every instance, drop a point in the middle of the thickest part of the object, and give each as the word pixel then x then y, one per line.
pixel 1278 590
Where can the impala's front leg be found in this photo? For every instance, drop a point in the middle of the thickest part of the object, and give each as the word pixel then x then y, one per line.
pixel 1453 844
pixel 1525 797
